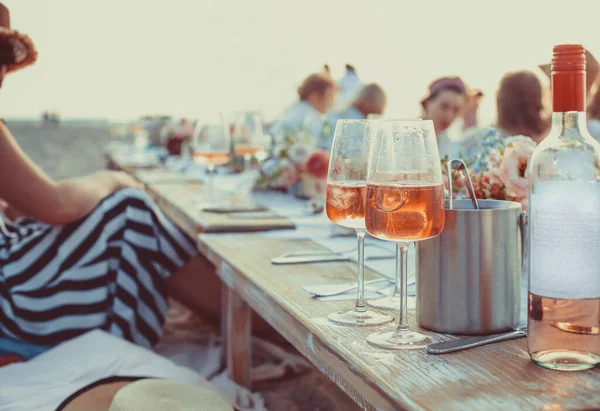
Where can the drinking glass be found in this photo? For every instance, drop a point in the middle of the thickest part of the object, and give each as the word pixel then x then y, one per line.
pixel 405 203
pixel 211 144
pixel 345 205
pixel 248 136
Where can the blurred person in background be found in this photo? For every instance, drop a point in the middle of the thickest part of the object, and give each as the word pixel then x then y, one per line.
pixel 350 86
pixel 593 114
pixel 316 95
pixel 444 102
pixel 370 101
pixel 522 108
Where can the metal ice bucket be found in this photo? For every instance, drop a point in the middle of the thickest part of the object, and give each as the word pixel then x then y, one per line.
pixel 469 277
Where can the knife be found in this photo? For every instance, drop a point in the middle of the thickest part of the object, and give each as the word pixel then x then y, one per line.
pixel 466 343
pixel 321 259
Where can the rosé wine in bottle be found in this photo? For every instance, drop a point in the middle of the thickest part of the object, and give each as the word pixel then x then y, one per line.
pixel 564 228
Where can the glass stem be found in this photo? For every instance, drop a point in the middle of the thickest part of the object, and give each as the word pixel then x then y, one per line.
pixel 398 274
pixel 360 297
pixel 211 171
pixel 402 261
pixel 247 161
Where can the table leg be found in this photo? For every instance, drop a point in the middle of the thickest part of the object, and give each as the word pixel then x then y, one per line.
pixel 224 313
pixel 238 341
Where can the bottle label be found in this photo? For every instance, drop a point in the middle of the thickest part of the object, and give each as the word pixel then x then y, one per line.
pixel 565 240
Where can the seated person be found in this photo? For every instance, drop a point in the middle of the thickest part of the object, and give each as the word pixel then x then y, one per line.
pixel 371 101
pixel 349 86
pixel 444 102
pixel 91 253
pixel 316 96
pixel 593 114
pixel 522 108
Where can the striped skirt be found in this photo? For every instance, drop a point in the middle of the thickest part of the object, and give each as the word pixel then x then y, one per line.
pixel 106 271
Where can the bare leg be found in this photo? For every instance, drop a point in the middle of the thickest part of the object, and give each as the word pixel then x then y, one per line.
pixel 96 399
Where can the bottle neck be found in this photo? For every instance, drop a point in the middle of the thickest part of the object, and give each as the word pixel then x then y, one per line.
pixel 570 124
pixel 568 91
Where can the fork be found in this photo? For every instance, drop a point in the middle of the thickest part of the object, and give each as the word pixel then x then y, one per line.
pixel 346 287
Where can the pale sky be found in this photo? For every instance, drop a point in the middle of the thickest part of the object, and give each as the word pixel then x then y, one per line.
pixel 124 58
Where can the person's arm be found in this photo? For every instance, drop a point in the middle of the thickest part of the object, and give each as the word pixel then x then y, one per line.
pixel 28 189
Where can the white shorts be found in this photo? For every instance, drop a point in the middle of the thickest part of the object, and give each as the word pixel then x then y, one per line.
pixel 47 380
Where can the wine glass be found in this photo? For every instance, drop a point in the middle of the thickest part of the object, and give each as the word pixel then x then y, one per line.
pixel 390 302
pixel 211 144
pixel 405 203
pixel 345 205
pixel 248 136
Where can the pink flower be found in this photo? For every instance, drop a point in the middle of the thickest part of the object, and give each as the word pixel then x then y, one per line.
pixel 280 173
pixel 493 174
pixel 494 158
pixel 317 163
pixel 288 175
pixel 512 170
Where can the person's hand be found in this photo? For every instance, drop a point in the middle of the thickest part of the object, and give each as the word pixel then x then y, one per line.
pixel 9 211
pixel 472 105
pixel 470 111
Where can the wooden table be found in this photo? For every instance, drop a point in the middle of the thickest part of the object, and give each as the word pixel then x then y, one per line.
pixel 496 376
pixel 177 200
pixel 178 195
pixel 119 161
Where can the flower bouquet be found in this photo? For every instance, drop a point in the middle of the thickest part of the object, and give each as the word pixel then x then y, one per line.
pixel 498 171
pixel 297 166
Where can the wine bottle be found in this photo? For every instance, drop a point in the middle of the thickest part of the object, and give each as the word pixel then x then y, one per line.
pixel 564 237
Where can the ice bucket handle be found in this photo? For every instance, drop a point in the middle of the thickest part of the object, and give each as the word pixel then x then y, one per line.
pixel 461 165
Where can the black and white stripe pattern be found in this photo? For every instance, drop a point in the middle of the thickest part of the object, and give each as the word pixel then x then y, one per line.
pixel 105 271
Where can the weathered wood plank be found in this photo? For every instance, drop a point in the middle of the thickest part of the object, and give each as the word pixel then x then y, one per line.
pixel 179 195
pixel 497 376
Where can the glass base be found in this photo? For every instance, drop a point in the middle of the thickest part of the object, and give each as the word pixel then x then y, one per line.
pixel 360 319
pixel 566 360
pixel 392 303
pixel 395 340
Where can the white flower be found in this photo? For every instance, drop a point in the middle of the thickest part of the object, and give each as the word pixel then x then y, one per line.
pixel 298 153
